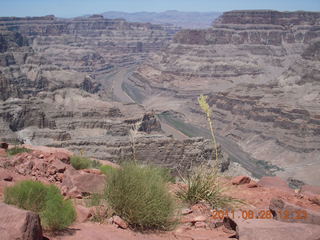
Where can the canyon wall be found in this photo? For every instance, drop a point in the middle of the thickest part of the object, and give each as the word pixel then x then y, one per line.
pixel 260 70
pixel 56 88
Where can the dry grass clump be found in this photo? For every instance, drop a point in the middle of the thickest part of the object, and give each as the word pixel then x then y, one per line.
pixel 139 195
pixel 203 185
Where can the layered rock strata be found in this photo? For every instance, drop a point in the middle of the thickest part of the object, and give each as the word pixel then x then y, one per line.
pixel 260 70
pixel 57 89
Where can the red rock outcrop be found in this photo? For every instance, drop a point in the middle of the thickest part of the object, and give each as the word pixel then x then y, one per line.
pixel 19 224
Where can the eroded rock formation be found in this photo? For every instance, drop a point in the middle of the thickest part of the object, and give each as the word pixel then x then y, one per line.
pixel 57 89
pixel 260 70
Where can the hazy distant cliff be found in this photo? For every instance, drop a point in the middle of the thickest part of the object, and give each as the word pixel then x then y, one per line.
pixel 175 18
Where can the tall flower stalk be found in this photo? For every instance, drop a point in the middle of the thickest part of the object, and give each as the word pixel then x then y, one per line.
pixel 202 100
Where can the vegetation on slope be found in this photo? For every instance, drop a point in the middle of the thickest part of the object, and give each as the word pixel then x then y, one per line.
pixel 140 196
pixel 16 150
pixel 55 212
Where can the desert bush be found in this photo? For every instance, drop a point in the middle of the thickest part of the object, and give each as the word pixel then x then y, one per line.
pixel 28 195
pixel 46 200
pixel 140 196
pixel 17 150
pixel 79 162
pixel 107 170
pixel 58 213
pixel 203 185
pixel 165 173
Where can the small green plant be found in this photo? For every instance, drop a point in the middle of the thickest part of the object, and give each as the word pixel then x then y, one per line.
pixel 96 164
pixel 165 173
pixel 203 185
pixel 55 212
pixel 16 150
pixel 58 213
pixel 79 162
pixel 140 196
pixel 107 170
pixel 29 195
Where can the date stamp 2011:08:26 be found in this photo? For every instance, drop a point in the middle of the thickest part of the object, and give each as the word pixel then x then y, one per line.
pixel 259 214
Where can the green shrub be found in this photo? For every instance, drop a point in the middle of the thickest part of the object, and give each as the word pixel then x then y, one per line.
pixel 58 213
pixel 203 185
pixel 27 195
pixel 165 173
pixel 17 150
pixel 140 196
pixel 55 212
pixel 95 164
pixel 79 162
pixel 107 170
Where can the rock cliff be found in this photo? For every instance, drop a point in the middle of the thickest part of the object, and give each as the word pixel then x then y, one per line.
pixel 260 70
pixel 57 88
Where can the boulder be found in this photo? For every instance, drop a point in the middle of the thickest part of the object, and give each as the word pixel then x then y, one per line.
pixel 25 168
pixel 4 145
pixel 3 152
pixel 287 212
pixel 19 224
pixel 193 219
pixel 120 222
pixel 186 211
pixel 252 184
pixel 6 175
pixel 310 189
pixel 8 178
pixel 83 213
pixel 59 166
pixel 269 229
pixel 74 193
pixel 315 199
pixel 240 180
pixel 274 182
pixel 84 182
pixel 63 157
pixel 200 225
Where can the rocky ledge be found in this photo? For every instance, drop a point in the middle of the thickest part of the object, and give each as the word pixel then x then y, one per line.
pixel 261 218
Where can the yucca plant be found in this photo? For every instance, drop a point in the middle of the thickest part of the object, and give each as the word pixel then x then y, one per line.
pixel 203 185
pixel 202 100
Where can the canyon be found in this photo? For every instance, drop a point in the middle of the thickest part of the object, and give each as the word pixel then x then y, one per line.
pixel 260 70
pixel 59 87
pixel 83 83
